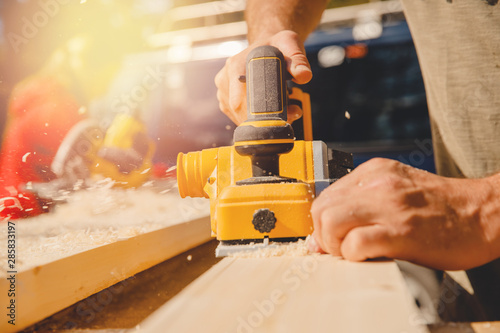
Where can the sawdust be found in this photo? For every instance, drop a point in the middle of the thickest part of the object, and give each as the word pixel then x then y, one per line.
pixel 292 249
pixel 95 217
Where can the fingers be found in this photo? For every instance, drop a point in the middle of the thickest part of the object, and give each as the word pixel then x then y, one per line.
pixel 368 242
pixel 238 100
pixel 360 242
pixel 313 245
pixel 294 112
pixel 340 194
pixel 293 50
pixel 231 92
pixel 334 224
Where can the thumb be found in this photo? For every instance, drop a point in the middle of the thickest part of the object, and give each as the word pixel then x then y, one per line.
pixel 300 69
pixel 293 51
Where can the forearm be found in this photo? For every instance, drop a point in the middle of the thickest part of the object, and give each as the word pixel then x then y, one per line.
pixel 266 18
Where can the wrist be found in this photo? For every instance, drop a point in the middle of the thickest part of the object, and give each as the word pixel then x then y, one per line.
pixel 490 213
pixel 267 18
pixel 263 37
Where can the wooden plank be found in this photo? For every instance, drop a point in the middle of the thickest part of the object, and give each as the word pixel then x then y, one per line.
pixel 292 294
pixel 126 304
pixel 476 327
pixel 96 217
pixel 44 290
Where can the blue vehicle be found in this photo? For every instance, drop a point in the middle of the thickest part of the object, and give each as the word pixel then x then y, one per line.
pixel 368 97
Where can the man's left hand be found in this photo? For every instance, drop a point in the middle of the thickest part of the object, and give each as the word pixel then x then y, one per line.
pixel 388 209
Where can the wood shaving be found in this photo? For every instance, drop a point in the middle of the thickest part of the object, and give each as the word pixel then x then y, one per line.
pixel 96 217
pixel 292 249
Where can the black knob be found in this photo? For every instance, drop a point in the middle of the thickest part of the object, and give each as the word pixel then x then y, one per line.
pixel 264 220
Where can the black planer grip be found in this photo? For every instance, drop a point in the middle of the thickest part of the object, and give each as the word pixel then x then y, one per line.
pixel 266 84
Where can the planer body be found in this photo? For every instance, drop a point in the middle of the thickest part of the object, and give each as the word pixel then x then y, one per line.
pixel 261 188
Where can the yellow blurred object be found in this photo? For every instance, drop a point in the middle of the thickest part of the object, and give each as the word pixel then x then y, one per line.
pixel 121 134
pixel 123 153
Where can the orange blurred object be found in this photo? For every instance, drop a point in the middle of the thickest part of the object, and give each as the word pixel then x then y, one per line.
pixel 356 51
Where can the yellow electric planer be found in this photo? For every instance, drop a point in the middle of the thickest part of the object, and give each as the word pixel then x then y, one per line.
pixel 261 189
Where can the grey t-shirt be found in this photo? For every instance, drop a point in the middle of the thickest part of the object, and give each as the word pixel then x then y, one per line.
pixel 458 44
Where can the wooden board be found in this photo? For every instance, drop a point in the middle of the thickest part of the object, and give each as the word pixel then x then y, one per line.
pixel 291 294
pixel 44 290
pixel 97 239
pixel 126 304
pixel 478 327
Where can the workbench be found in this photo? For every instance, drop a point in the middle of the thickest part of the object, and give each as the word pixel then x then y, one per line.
pixel 141 303
pixel 154 277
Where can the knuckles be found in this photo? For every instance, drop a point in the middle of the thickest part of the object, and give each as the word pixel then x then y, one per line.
pixel 327 219
pixel 379 163
pixel 331 244
pixel 391 182
pixel 352 248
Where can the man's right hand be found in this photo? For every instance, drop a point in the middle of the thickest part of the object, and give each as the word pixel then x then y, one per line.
pixel 231 91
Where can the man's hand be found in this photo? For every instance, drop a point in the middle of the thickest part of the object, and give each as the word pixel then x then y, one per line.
pixel 284 24
pixel 231 92
pixel 388 209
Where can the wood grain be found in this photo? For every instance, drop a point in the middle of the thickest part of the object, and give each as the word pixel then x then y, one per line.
pixel 46 289
pixel 291 294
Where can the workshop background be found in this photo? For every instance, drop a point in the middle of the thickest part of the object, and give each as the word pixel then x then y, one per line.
pixel 367 94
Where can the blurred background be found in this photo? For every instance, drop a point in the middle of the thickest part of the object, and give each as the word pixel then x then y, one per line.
pixel 367 92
